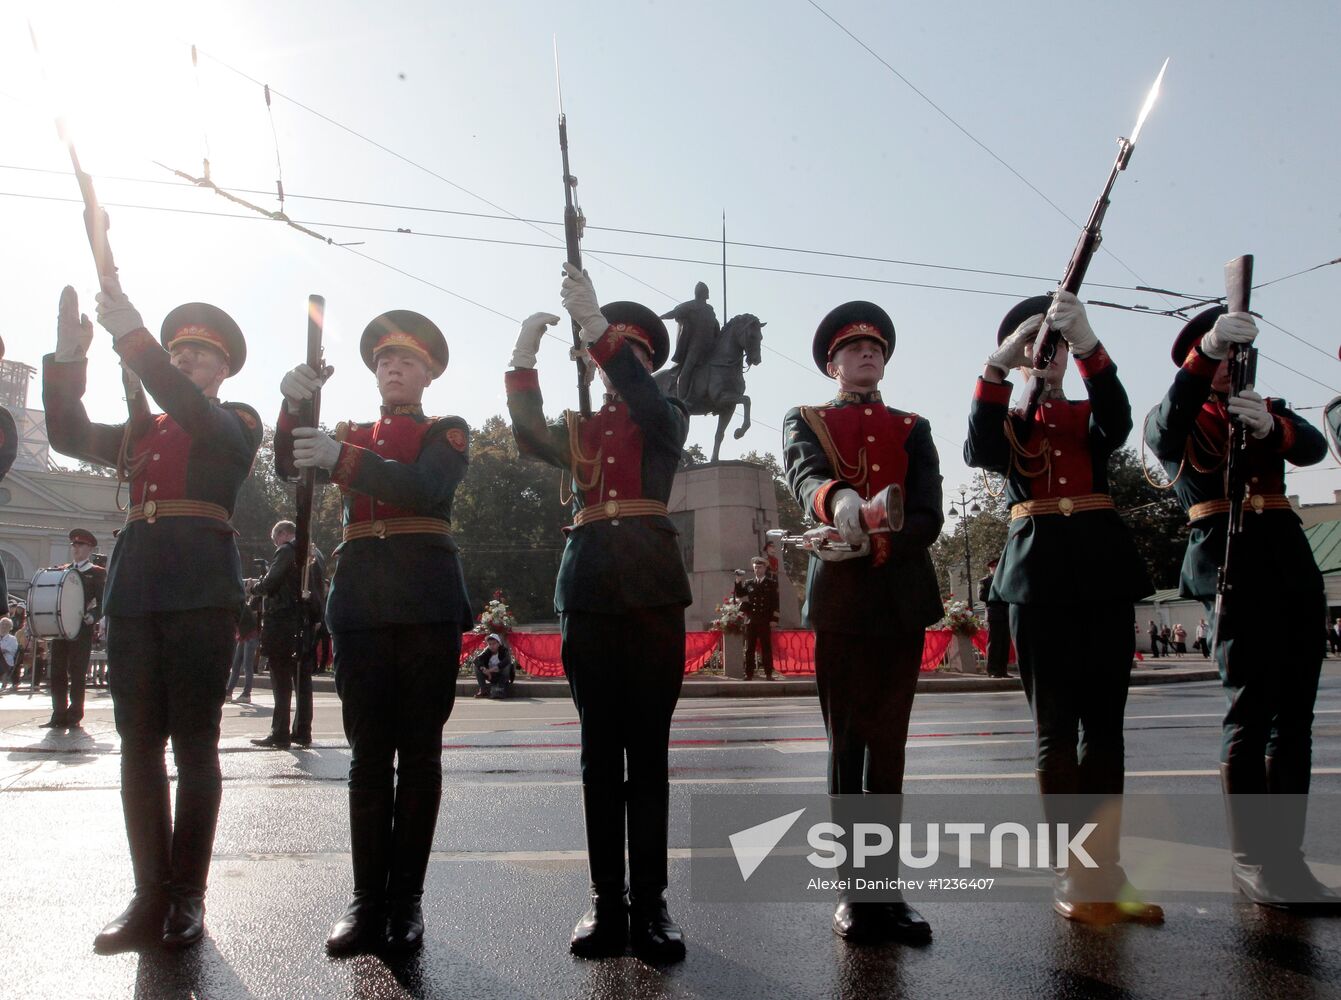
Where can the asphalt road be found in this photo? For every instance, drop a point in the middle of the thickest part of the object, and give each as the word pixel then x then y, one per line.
pixel 508 876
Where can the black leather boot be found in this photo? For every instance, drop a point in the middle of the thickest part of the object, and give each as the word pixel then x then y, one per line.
pixel 1288 873
pixel 199 788
pixel 603 930
pixel 655 937
pixel 412 839
pixel 362 927
pixel 148 834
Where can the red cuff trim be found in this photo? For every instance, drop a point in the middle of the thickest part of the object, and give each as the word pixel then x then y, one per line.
pixel 67 376
pixel 1200 364
pixel 348 466
pixel 521 380
pixel 287 421
pixel 603 349
pixel 1287 433
pixel 992 392
pixel 135 345
pixel 820 504
pixel 1097 361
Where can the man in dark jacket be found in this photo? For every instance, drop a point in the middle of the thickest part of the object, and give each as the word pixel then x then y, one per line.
pixel 759 601
pixel 621 594
pixel 1267 652
pixel 171 620
pixel 396 610
pixel 998 624
pixel 494 669
pixel 869 607
pixel 281 598
pixel 1056 471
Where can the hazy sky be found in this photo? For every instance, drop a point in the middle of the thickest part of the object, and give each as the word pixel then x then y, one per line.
pixel 678 111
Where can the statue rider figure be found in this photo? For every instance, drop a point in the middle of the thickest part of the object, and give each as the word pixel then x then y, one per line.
pixel 698 330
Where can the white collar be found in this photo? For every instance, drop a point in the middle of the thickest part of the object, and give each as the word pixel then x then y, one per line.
pixel 84 565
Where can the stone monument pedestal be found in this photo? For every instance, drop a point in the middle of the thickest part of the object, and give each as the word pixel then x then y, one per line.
pixel 723 511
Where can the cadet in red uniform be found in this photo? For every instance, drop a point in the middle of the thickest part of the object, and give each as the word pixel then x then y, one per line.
pixel 396 610
pixel 621 595
pixel 1056 472
pixel 170 620
pixel 870 607
pixel 69 657
pixel 1269 652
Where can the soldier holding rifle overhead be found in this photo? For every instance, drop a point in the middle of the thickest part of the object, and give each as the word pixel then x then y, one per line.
pixel 621 594
pixel 396 610
pixel 870 601
pixel 170 621
pixel 1267 650
pixel 1056 472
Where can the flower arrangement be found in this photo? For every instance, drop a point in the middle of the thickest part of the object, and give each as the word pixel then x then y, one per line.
pixel 959 617
pixel 730 616
pixel 495 617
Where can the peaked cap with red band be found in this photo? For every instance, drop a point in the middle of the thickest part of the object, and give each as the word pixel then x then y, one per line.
pixel 202 323
pixel 409 330
pixel 1035 305
pixel 642 326
pixel 1190 335
pixel 851 321
pixel 83 535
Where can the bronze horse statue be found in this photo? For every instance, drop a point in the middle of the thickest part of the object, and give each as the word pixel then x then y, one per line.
pixel 719 385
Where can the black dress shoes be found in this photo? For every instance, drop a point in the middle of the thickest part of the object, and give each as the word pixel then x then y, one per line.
pixel 361 927
pixel 603 930
pixel 655 937
pixel 139 925
pixel 275 741
pixel 301 739
pixel 185 923
pixel 876 923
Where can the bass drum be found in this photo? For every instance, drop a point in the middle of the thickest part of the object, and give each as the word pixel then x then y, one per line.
pixel 56 603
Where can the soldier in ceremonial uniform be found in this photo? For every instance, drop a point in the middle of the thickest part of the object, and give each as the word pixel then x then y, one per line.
pixel 1056 471
pixel 621 594
pixel 759 601
pixel 170 620
pixel 869 607
pixel 396 610
pixel 69 657
pixel 1268 653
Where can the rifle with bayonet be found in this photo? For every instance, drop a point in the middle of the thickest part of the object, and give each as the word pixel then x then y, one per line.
pixel 573 224
pixel 1045 344
pixel 309 414
pixel 1242 375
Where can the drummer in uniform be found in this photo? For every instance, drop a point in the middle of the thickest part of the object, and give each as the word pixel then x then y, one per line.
pixel 1056 471
pixel 69 657
pixel 170 620
pixel 870 606
pixel 621 594
pixel 396 610
pixel 1269 652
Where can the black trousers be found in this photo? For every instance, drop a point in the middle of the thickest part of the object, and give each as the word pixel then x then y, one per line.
pixel 866 686
pixel 760 635
pixel 1269 669
pixel 625 672
pixel 397 686
pixel 1077 690
pixel 167 673
pixel 281 644
pixel 69 667
pixel 998 638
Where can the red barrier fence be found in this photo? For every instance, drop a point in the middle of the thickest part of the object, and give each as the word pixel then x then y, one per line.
pixel 537 653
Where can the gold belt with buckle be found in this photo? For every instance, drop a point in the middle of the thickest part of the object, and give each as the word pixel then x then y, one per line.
pixel 384 527
pixel 613 510
pixel 1257 503
pixel 152 510
pixel 1066 506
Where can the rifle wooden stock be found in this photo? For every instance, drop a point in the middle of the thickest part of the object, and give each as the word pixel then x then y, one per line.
pixel 572 237
pixel 309 414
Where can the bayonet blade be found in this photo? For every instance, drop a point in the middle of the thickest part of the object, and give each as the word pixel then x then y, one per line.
pixel 1149 102
pixel 558 80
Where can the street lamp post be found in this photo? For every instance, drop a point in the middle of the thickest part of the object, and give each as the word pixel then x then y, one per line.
pixel 962 513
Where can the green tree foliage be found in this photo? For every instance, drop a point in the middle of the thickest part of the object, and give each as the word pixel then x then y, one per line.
pixel 986 536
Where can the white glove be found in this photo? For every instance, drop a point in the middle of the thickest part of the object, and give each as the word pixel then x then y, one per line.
pixel 1014 350
pixel 115 313
pixel 1067 316
pixel 588 366
pixel 1252 412
pixel 1231 328
pixel 579 299
pixel 528 341
pixel 847 517
pixel 314 449
pixel 74 331
pixel 816 537
pixel 301 384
